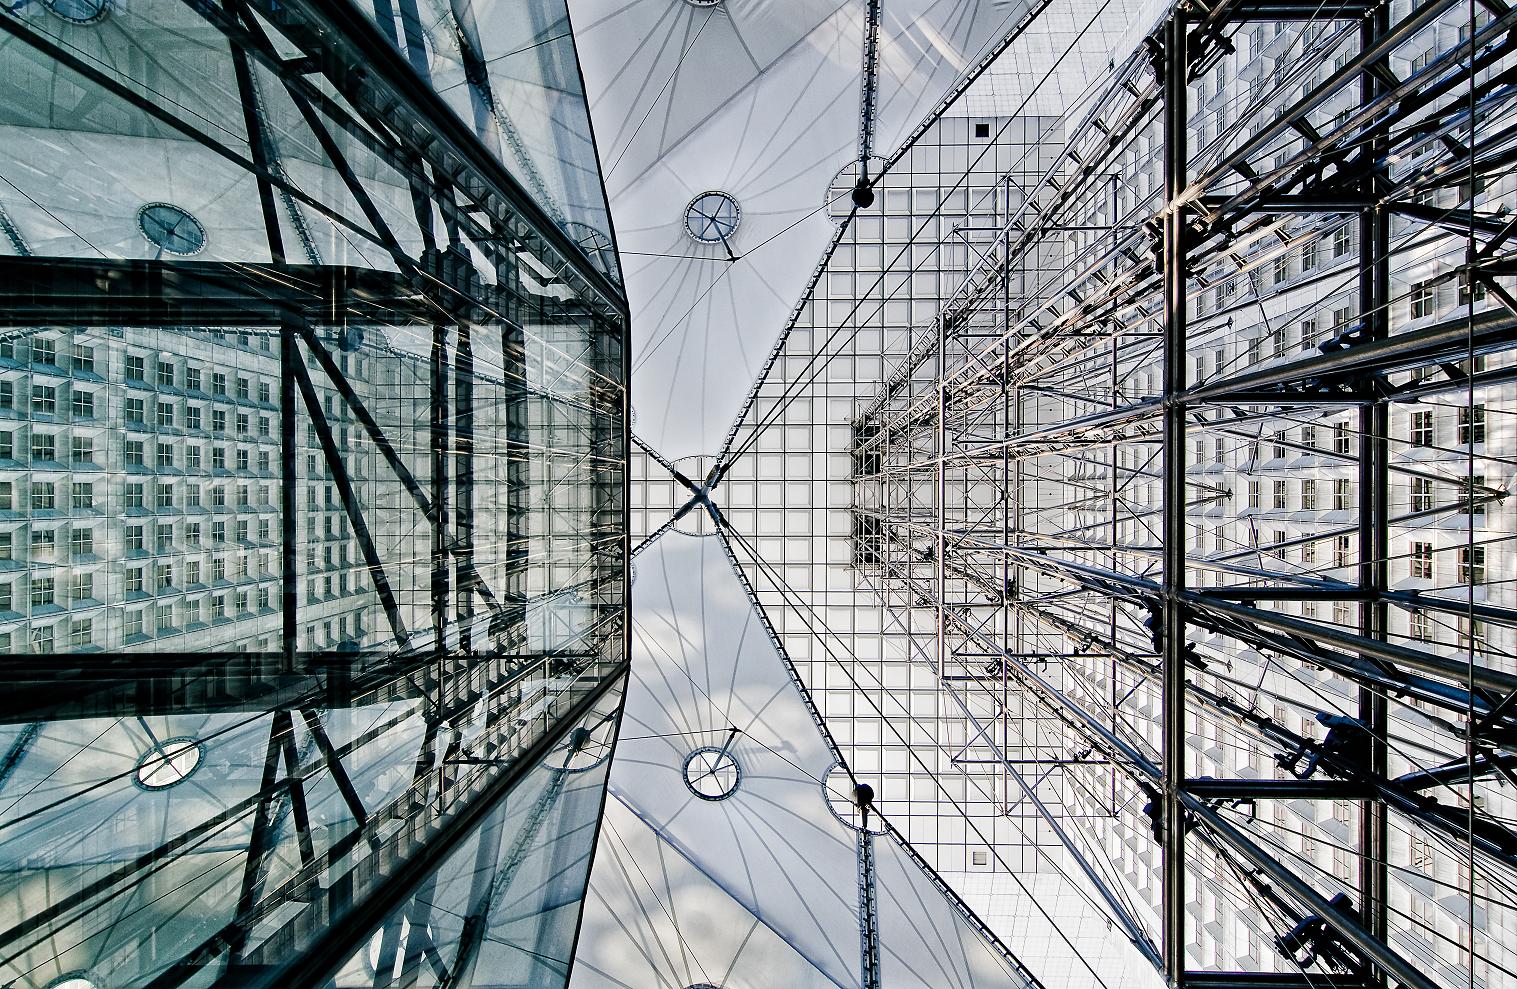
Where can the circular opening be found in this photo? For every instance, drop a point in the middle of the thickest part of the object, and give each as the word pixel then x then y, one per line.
pixel 587 747
pixel 595 243
pixel 171 228
pixel 840 192
pixel 712 217
pixel 80 12
pixel 843 797
pixel 712 774
pixel 169 763
pixel 73 980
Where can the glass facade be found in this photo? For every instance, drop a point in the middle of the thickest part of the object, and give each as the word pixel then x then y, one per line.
pixel 312 498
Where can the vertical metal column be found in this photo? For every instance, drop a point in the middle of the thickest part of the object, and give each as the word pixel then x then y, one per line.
pixel 1174 70
pixel 438 433
pixel 869 928
pixel 289 488
pixel 465 577
pixel 1374 487
pixel 940 546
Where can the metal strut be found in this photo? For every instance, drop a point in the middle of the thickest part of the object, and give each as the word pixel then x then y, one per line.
pixel 869 926
pixel 863 194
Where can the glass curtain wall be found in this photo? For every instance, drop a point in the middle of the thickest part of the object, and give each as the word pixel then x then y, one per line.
pixel 312 517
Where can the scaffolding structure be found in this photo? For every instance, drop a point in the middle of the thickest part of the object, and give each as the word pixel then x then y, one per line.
pixel 1206 458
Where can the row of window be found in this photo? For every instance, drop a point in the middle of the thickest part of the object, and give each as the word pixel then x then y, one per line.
pixel 1422 433
pixel 1344 491
pixel 44 591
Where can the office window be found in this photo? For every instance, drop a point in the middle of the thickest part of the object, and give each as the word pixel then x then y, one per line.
pixel 136 410
pixel 1466 294
pixel 164 577
pixel 134 496
pixel 242 388
pixel 1309 436
pixel 44 496
pixel 1342 241
pixel 1309 495
pixel 1422 429
pixel 218 607
pixel 192 416
pixel 242 424
pixel 165 413
pixel 242 460
pixel 218 383
pixel 134 452
pixel 192 457
pixel 1420 561
pixel 165 495
pixel 1472 565
pixel 42 591
pixel 165 618
pixel 218 496
pixel 218 420
pixel 44 446
pixel 218 569
pixel 192 529
pixel 7 495
pixel 84 358
pixel 1421 855
pixel 81 632
pixel 165 455
pixel 218 458
pixel 7 546
pixel 44 351
pixel 218 532
pixel 1279 500
pixel 1340 494
pixel 1340 551
pixel 1472 424
pixel 191 378
pixel 44 400
pixel 263 392
pixel 82 542
pixel 134 541
pixel 165 374
pixel 1341 438
pixel 1423 300
pixel 1422 494
pixel 134 580
pixel 83 494
pixel 133 624
pixel 84 586
pixel 1472 635
pixel 42 639
pixel 83 404
pixel 1253 494
pixel 82 450
pixel 7 394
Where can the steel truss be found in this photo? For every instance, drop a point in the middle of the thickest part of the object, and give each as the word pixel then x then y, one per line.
pixel 479 699
pixel 1035 482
